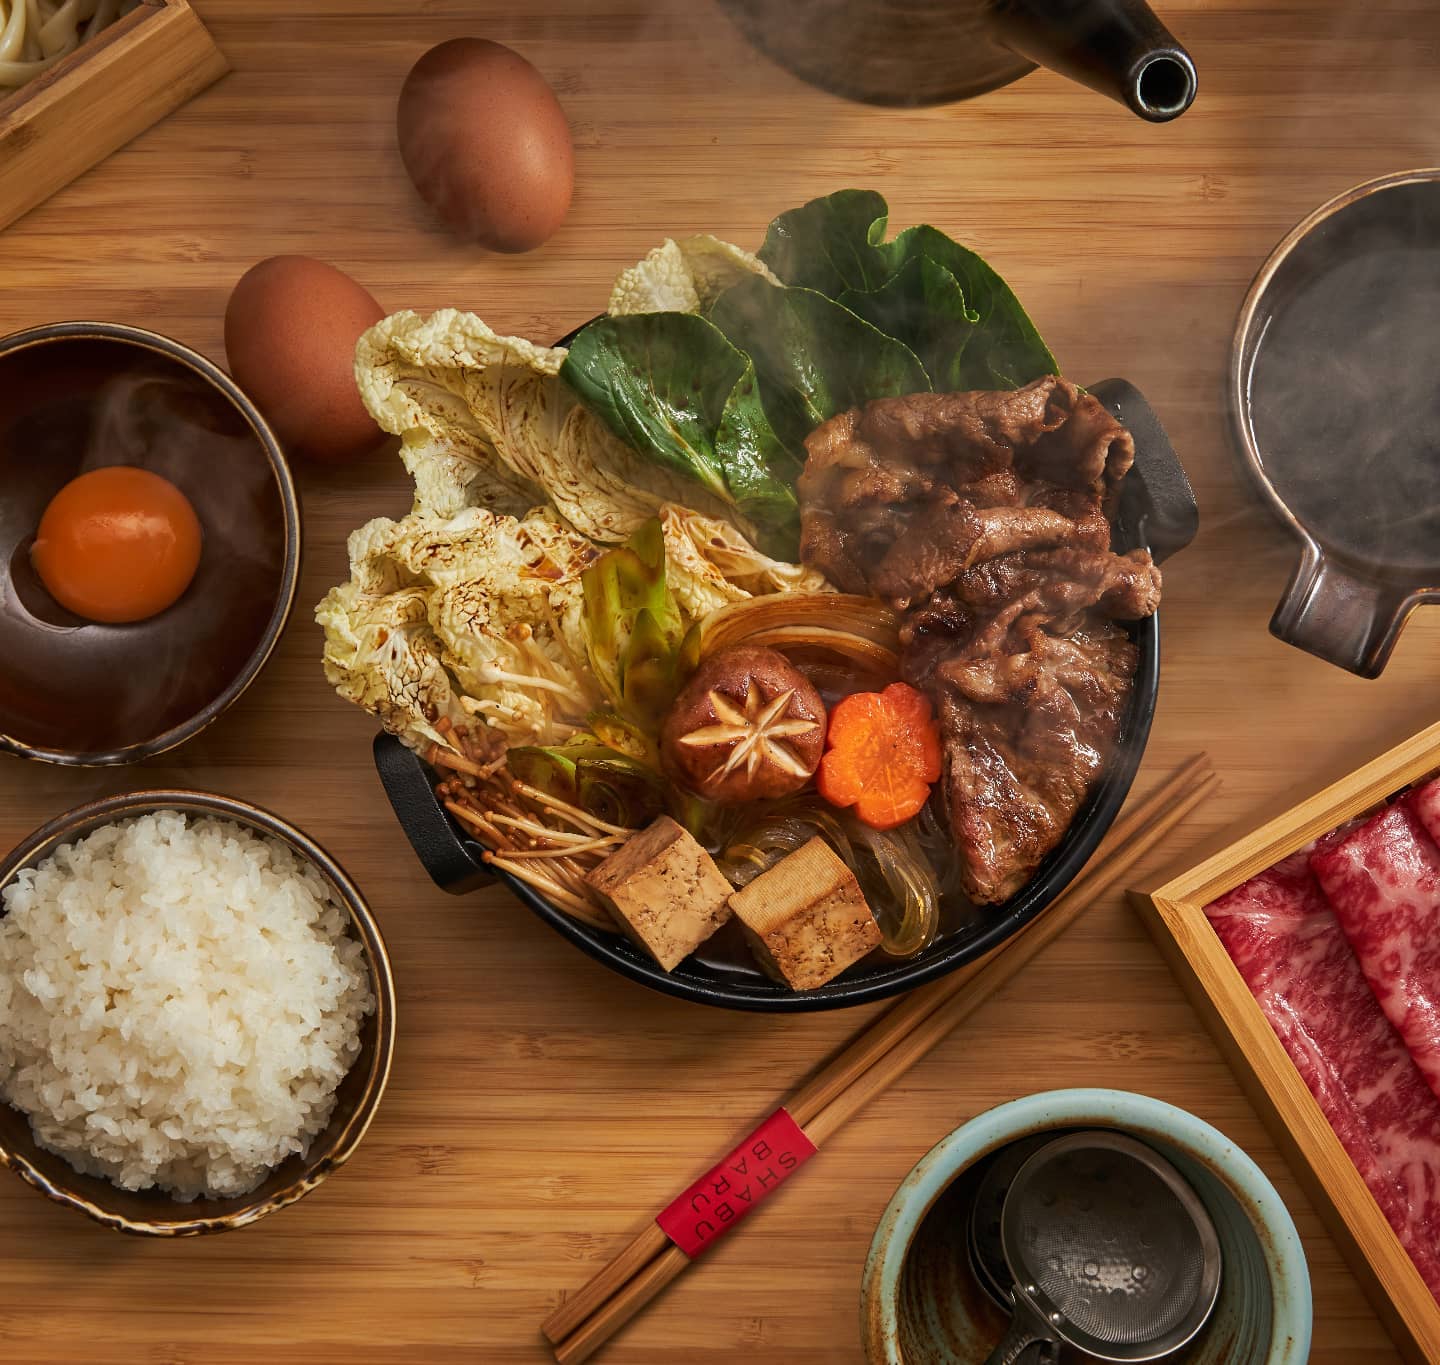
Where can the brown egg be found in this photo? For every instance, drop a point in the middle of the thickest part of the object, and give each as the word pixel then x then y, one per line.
pixel 486 143
pixel 290 331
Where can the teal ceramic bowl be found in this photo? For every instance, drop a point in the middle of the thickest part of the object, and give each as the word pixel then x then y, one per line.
pixel 919 1305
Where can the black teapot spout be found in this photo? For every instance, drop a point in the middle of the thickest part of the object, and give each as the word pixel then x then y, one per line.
pixel 1118 47
pixel 911 52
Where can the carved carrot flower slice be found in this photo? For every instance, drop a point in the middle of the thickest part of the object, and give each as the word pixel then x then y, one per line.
pixel 882 755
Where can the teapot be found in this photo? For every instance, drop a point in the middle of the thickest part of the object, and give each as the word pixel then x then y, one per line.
pixel 912 52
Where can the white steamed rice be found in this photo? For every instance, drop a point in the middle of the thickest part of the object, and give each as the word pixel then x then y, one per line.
pixel 178 1001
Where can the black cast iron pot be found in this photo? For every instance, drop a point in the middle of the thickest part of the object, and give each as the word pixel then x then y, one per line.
pixel 1157 510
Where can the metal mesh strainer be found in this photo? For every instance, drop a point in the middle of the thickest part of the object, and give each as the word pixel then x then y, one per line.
pixel 1111 1251
pixel 983 1241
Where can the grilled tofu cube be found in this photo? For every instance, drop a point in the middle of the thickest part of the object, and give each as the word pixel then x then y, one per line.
pixel 664 890
pixel 806 918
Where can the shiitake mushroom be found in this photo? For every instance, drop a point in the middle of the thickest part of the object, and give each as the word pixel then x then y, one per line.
pixel 748 726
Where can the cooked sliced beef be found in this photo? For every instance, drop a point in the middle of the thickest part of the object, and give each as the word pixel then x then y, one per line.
pixel 934 550
pixel 951 535
pixel 824 543
pixel 1061 582
pixel 875 483
pixel 1025 735
pixel 1002 488
pixel 1126 587
pixel 1093 666
pixel 1045 446
pixel 931 632
pixel 1092 524
pixel 1090 451
pixel 982 519
pixel 968 433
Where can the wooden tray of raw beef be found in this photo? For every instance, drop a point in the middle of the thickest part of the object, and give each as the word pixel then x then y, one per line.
pixel 1311 947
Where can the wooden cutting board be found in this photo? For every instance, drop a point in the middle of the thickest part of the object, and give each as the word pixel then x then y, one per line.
pixel 540 1105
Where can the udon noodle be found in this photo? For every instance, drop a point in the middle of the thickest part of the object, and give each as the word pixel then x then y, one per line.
pixel 35 34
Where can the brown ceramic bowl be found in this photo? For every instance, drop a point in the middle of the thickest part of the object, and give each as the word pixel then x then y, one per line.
pixel 78 395
pixel 155 1213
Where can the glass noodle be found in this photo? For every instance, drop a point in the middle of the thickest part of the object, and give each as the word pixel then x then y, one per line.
pixel 896 873
pixel 35 34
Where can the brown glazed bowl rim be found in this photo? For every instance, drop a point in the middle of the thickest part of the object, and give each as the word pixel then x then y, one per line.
pixel 1243 337
pixel 217 379
pixel 329 1151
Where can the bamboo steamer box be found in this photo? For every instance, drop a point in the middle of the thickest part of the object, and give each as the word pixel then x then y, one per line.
pixel 128 77
pixel 1174 913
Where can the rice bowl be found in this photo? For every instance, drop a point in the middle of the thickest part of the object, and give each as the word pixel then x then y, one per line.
pixel 178 1002
pixel 278 1118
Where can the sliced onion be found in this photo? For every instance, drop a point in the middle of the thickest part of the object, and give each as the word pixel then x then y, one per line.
pixel 834 620
pixel 855 649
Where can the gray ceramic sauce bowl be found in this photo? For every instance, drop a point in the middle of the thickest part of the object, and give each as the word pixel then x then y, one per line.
pixel 920 1305
pixel 155 1213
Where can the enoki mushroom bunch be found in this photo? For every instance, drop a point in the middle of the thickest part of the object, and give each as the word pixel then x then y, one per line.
pixel 35 34
pixel 544 841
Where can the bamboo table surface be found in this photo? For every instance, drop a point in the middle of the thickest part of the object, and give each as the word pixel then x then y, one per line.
pixel 540 1106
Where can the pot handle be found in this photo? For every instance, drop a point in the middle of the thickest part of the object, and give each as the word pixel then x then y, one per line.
pixel 1156 498
pixel 453 861
pixel 1340 616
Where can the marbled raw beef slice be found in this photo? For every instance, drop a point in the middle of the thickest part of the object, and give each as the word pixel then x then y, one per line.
pixel 1383 880
pixel 1284 938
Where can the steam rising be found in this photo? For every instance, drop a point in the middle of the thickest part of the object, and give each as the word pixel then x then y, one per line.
pixel 175 429
pixel 82 687
pixel 1345 400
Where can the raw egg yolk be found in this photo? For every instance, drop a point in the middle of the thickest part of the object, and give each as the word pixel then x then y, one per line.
pixel 117 544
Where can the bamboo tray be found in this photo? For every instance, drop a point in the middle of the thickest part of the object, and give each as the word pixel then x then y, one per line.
pixel 1174 914
pixel 106 92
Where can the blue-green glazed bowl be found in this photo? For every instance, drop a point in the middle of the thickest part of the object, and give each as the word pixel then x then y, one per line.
pixel 920 1305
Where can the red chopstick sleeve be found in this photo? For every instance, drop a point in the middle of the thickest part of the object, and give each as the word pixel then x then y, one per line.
pixel 732 1187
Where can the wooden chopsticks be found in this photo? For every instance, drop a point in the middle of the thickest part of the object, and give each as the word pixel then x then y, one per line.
pixel 881 1054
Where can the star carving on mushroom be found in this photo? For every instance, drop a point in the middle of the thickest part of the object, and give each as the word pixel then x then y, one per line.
pixel 748 726
pixel 754 733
